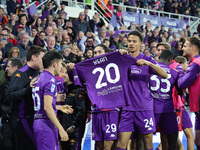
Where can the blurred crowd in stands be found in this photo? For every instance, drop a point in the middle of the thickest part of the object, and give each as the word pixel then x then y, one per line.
pixel 75 39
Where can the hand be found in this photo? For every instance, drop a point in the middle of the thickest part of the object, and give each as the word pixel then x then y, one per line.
pixel 27 5
pixel 70 66
pixel 11 36
pixel 43 6
pixel 63 135
pixel 80 53
pixel 3 44
pixel 93 34
pixel 61 97
pixel 123 51
pixel 110 33
pixel 33 82
pixel 88 117
pixel 142 62
pixel 70 130
pixel 67 109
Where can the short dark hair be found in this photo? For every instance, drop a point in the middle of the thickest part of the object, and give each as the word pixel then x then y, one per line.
pixel 136 33
pixel 16 62
pixel 166 54
pixel 104 48
pixel 34 28
pixel 106 39
pixel 194 41
pixel 90 38
pixel 42 32
pixel 51 57
pixel 34 50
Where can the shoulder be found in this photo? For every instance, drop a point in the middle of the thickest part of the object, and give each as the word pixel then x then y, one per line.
pixel 197 61
pixel 148 58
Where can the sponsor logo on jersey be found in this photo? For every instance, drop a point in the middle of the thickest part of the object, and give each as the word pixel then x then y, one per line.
pixel 149 129
pixel 52 88
pixel 18 75
pixel 136 70
pixel 92 134
pixel 75 77
pixel 112 135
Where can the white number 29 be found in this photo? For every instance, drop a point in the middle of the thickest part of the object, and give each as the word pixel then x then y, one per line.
pixel 36 98
pixel 112 126
pixel 99 84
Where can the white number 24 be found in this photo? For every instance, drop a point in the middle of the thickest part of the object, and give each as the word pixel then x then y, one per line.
pixel 99 84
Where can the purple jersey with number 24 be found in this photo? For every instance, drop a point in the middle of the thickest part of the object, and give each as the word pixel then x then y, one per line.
pixel 106 79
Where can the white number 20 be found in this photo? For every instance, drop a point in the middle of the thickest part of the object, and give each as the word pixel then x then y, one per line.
pixel 166 81
pixel 99 84
pixel 36 98
pixel 112 126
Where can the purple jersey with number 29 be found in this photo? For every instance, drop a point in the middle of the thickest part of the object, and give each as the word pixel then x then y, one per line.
pixel 106 79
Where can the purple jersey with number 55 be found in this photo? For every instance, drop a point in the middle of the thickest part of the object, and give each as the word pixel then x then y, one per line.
pixel 106 79
pixel 46 85
pixel 161 89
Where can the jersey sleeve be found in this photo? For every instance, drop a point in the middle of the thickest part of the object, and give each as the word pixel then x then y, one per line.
pixel 50 88
pixel 151 70
pixel 189 76
pixel 16 88
pixel 78 73
pixel 179 68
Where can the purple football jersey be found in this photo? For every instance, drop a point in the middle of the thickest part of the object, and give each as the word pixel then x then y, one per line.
pixel 106 79
pixel 46 85
pixel 60 84
pixel 161 89
pixel 138 91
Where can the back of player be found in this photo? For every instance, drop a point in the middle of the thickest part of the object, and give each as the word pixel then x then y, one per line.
pixel 161 91
pixel 46 124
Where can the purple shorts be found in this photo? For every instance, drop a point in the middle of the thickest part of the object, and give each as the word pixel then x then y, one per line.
pixel 197 121
pixel 46 134
pixel 142 122
pixel 167 122
pixel 105 125
pixel 186 121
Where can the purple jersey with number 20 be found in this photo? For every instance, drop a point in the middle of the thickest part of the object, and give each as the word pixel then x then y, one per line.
pixel 106 79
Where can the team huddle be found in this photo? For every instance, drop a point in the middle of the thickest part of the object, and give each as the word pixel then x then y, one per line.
pixel 130 94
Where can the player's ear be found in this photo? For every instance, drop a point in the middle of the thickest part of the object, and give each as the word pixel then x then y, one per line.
pixel 54 64
pixel 33 57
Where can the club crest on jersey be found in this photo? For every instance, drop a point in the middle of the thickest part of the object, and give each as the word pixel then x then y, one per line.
pixel 18 75
pixel 52 88
pixel 52 80
pixel 136 70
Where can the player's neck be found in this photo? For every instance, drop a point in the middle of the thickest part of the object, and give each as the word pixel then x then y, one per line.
pixel 31 65
pixel 50 70
pixel 191 56
pixel 134 54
